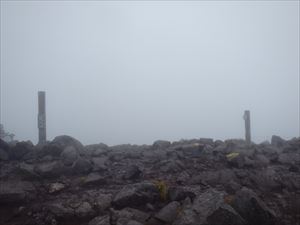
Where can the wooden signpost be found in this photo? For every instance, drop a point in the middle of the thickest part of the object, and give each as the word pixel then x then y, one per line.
pixel 247 127
pixel 42 116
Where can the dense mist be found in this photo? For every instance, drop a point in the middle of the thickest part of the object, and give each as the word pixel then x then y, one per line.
pixel 134 72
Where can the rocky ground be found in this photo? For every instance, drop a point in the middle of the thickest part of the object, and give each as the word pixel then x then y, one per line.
pixel 190 182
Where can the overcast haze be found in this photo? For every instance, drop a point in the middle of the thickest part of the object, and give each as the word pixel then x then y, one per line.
pixel 135 72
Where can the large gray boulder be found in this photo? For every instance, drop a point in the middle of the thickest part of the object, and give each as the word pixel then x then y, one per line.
pixel 252 209
pixel 69 155
pixel 50 169
pixel 100 220
pixel 168 213
pixel 59 143
pixel 94 179
pixel 81 166
pixel 277 141
pixel 100 163
pixel 20 150
pixel 136 195
pixel 209 208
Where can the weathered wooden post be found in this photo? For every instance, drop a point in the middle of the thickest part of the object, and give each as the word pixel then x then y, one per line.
pixel 247 127
pixel 42 116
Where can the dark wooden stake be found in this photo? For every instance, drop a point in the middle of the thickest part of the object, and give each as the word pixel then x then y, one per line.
pixel 42 116
pixel 247 127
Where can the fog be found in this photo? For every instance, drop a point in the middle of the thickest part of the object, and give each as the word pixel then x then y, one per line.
pixel 134 72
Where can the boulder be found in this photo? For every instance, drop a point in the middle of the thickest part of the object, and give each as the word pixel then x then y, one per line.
pixel 100 164
pixel 209 208
pixel 161 144
pixel 252 209
pixel 168 213
pixel 100 220
pixel 69 155
pixel 50 169
pixel 60 209
pixel 81 166
pixel 94 179
pixel 102 202
pixel 136 195
pixel 133 172
pixel 59 143
pixel 178 193
pixel 277 141
pixel 170 166
pixel 20 149
pixel 26 171
pixel 56 187
pixel 84 210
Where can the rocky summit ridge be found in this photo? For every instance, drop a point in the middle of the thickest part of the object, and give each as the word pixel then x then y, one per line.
pixel 189 182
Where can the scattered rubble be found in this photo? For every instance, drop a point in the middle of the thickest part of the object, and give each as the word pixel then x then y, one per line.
pixel 189 182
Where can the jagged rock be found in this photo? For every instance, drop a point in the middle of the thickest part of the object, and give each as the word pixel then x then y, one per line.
pixel 60 209
pixel 59 143
pixel 209 208
pixel 237 160
pixel 183 178
pixel 136 195
pixel 94 179
pixel 64 141
pixel 252 209
pixel 20 149
pixel 232 187
pixel 102 202
pixel 133 172
pixel 84 210
pixel 100 220
pixel 170 166
pixel 100 164
pixel 81 165
pixel 161 144
pixel 15 191
pixel 56 187
pixel 50 169
pixel 180 193
pixel 294 168
pixel 214 178
pixel 168 213
pixel 69 155
pixel 26 172
pixel 277 141
pixel 96 150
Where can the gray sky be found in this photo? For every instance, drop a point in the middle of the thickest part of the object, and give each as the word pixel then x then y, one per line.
pixel 133 72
